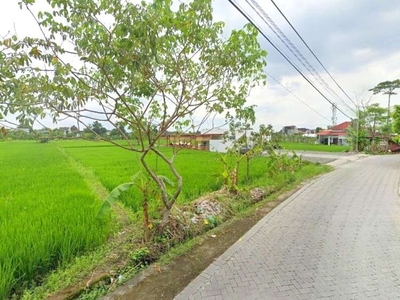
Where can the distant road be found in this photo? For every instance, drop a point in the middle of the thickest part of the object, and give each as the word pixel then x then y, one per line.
pixel 323 157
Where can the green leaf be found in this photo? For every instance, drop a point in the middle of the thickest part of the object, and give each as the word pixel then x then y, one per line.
pixel 136 176
pixel 113 197
pixel 166 180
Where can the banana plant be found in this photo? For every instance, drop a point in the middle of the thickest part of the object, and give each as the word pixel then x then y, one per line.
pixel 148 190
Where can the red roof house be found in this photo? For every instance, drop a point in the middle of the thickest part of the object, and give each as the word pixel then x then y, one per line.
pixel 337 135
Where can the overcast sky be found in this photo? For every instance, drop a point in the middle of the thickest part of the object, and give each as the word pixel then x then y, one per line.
pixel 357 41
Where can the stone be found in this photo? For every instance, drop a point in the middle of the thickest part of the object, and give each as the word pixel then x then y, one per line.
pixel 257 194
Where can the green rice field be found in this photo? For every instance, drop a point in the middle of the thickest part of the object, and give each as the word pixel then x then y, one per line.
pixel 47 213
pixel 48 210
pixel 313 147
pixel 201 170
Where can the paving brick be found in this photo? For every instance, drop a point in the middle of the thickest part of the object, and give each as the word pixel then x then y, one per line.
pixel 336 238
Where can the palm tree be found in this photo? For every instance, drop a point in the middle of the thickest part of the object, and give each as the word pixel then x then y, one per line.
pixel 387 88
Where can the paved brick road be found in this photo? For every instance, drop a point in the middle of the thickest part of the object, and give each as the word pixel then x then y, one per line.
pixel 336 238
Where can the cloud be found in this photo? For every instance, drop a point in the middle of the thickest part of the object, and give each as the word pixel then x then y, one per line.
pixel 357 41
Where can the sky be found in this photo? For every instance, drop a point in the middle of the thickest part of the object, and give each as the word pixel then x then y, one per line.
pixel 357 41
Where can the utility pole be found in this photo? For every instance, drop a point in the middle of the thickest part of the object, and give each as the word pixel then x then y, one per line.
pixel 358 126
pixel 359 103
pixel 334 116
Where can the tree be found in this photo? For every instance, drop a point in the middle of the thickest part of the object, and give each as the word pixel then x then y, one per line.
pixel 3 132
pixel 119 132
pixel 374 116
pixel 265 133
pixel 396 119
pixel 98 128
pixel 357 135
pixel 149 66
pixel 387 88
pixel 245 142
pixel 239 149
pixel 370 123
pixel 318 129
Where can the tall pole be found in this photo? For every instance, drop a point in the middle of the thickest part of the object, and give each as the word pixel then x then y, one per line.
pixel 388 116
pixel 334 114
pixel 358 127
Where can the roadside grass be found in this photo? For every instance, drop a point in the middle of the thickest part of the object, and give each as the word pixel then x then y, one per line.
pixel 47 214
pixel 314 147
pixel 66 275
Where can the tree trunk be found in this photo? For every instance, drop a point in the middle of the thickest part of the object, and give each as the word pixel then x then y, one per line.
pixel 165 219
pixel 234 178
pixel 171 200
pixel 158 181
pixel 248 168
pixel 388 117
pixel 146 219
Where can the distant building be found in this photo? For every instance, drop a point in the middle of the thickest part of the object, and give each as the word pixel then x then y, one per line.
pixel 289 130
pixel 64 130
pixel 200 141
pixel 216 140
pixel 302 130
pixel 68 130
pixel 74 129
pixel 308 132
pixel 337 135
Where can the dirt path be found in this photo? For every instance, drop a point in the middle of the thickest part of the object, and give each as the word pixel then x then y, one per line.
pixel 94 184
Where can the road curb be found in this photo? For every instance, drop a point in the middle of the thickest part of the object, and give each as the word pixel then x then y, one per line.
pixel 342 161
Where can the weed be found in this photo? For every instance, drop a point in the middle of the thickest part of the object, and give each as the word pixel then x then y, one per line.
pixel 212 221
pixel 141 258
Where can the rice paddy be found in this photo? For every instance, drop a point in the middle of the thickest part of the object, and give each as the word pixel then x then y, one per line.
pixel 48 210
pixel 47 214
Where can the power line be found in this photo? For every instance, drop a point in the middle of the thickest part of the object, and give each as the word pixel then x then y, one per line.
pixel 281 53
pixel 290 92
pixel 286 41
pixel 283 38
pixel 298 34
